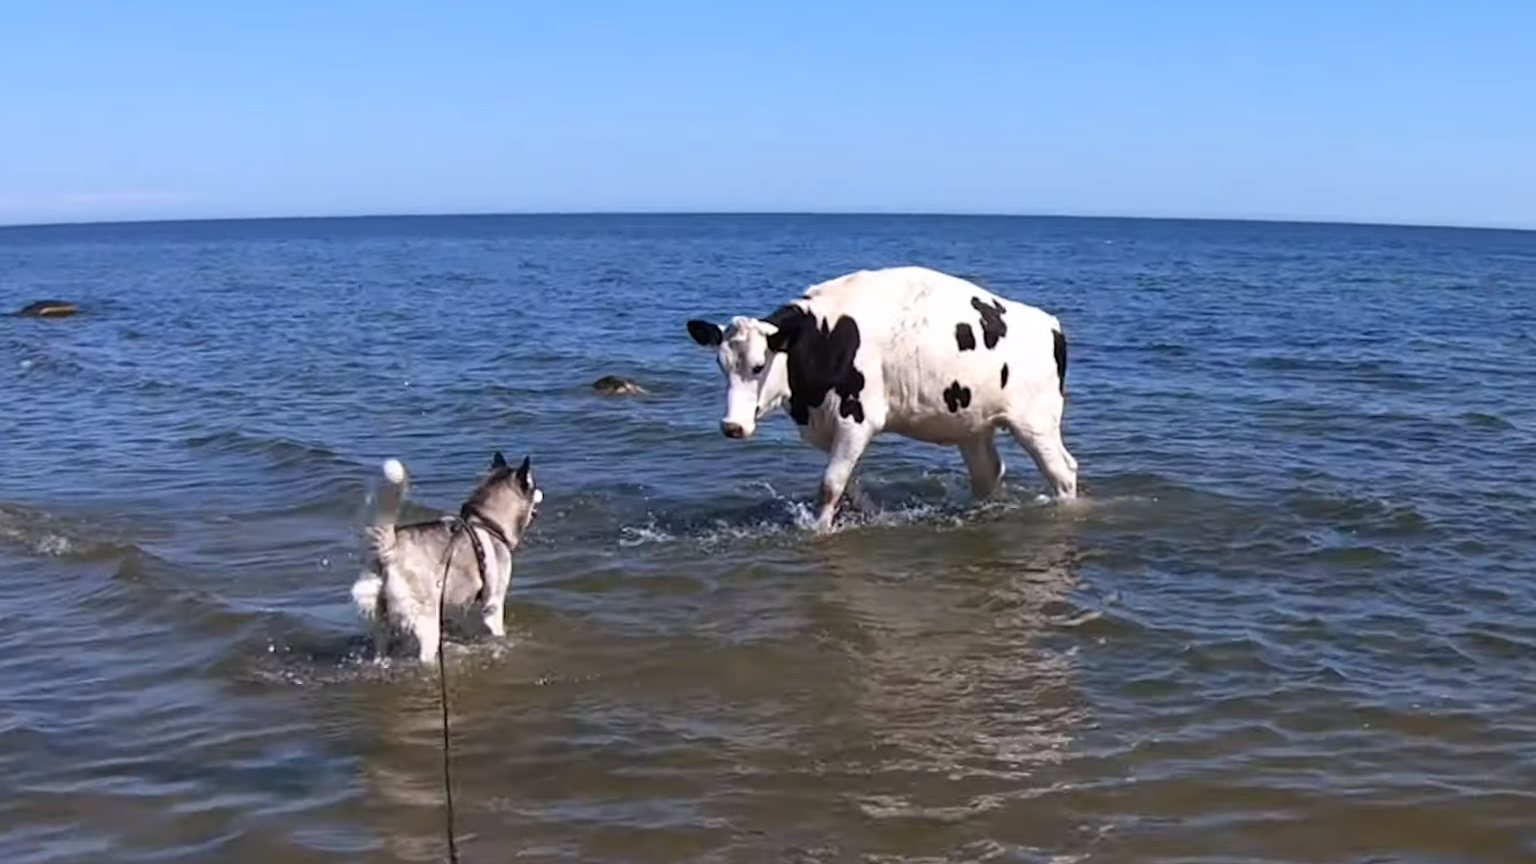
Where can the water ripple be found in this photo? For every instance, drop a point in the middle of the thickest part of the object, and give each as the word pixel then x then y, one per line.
pixel 1290 621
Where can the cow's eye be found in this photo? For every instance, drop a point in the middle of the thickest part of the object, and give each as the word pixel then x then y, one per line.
pixel 758 369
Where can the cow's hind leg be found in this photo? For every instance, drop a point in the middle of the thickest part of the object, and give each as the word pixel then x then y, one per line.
pixel 1046 448
pixel 984 464
pixel 848 447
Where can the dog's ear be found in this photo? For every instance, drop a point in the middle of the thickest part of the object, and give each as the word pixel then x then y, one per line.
pixel 705 333
pixel 524 474
pixel 498 461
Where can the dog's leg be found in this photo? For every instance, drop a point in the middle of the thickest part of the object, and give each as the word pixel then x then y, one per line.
pixel 494 592
pixel 418 615
pixel 383 618
pixel 495 618
pixel 428 630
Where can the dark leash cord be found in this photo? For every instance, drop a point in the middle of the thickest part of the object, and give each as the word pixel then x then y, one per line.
pixel 442 686
pixel 457 524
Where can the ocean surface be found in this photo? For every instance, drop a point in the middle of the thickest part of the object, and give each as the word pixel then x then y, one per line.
pixel 1293 618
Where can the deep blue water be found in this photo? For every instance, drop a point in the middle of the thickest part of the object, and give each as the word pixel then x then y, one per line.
pixel 1293 620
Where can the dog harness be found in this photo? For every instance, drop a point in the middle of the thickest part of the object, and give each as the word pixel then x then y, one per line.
pixel 468 519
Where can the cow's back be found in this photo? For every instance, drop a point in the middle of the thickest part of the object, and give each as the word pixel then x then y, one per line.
pixel 944 355
pixel 891 304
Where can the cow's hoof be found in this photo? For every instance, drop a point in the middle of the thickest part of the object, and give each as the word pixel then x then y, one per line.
pixel 824 524
pixel 856 502
pixel 47 309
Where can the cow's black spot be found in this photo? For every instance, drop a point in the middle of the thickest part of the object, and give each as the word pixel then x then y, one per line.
pixel 820 360
pixel 993 327
pixel 965 337
pixel 1005 374
pixel 1061 360
pixel 852 407
pixel 957 397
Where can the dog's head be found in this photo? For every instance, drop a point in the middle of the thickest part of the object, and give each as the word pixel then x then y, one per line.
pixel 508 495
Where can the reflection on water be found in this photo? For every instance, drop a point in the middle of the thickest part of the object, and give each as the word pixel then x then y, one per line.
pixel 961 704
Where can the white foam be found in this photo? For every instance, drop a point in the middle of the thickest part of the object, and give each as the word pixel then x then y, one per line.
pixel 793 517
pixel 636 536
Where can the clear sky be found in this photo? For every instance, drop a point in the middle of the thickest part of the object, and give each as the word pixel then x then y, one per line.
pixel 1356 110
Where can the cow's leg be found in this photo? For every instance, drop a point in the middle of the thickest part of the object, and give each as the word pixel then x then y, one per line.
pixel 984 464
pixel 848 446
pixel 1045 446
pixel 853 493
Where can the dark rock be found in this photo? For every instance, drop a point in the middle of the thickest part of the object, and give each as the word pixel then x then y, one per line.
pixel 47 309
pixel 612 385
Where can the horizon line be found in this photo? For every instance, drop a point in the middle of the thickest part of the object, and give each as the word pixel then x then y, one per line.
pixel 1263 220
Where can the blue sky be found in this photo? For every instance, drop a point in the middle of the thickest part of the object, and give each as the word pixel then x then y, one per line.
pixel 1356 110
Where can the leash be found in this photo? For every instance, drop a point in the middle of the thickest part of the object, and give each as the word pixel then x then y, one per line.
pixel 442 686
pixel 458 523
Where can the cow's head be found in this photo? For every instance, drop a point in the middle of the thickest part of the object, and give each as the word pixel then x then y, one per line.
pixel 750 352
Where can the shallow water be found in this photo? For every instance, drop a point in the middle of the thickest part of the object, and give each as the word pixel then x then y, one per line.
pixel 1293 619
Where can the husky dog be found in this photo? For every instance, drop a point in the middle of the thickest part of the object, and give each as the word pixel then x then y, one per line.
pixel 402 587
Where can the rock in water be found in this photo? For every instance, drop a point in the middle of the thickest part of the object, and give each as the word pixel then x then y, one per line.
pixel 612 385
pixel 47 309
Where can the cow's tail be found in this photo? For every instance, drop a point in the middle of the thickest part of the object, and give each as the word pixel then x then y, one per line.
pixel 1060 338
pixel 368 590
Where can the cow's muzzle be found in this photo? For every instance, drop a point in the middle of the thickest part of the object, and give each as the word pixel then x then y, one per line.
pixel 732 429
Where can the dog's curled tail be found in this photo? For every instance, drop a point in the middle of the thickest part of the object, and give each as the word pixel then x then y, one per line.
pixel 387 511
pixel 369 587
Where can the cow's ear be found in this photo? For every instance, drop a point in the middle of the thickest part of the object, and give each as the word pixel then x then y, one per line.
pixel 780 340
pixel 705 333
pixel 791 322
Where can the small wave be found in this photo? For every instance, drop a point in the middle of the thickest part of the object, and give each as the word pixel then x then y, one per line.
pixel 1377 373
pixel 1480 420
pixel 286 452
pixel 296 656
pixel 39 364
pixel 1367 557
pixel 614 276
pixel 462 278
pixel 326 498
pixel 46 534
pixel 154 588
pixel 1364 516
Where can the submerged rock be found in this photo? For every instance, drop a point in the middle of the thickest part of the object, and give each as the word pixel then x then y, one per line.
pixel 47 309
pixel 612 385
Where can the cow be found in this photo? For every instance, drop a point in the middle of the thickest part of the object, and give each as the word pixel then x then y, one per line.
pixel 907 350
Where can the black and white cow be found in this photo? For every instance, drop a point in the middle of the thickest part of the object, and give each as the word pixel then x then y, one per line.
pixel 906 350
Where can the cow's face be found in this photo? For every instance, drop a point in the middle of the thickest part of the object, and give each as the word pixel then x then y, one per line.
pixel 755 377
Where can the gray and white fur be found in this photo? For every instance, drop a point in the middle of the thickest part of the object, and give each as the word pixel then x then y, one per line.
pixel 399 591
